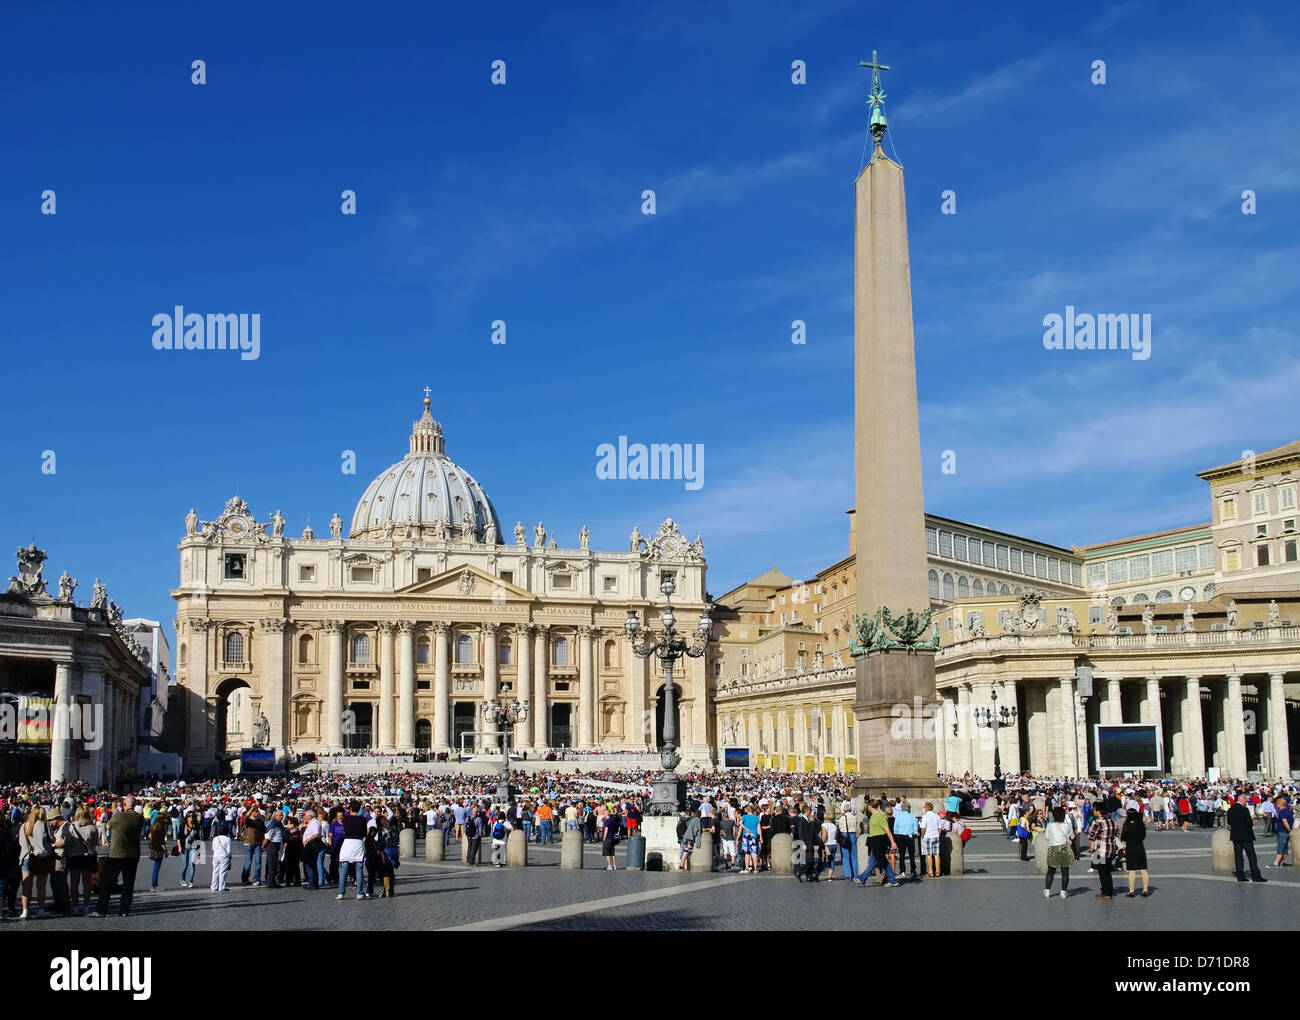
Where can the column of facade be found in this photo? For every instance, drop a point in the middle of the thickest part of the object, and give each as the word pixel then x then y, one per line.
pixel 1279 751
pixel 1009 736
pixel 1234 725
pixel 387 655
pixel 331 726
pixel 491 681
pixel 199 737
pixel 274 701
pixel 965 753
pixel 836 743
pixel 541 688
pixel 586 689
pixel 406 685
pixel 782 735
pixel 1068 729
pixel 751 734
pixel 699 707
pixel 521 737
pixel 441 686
pixel 60 723
pixel 1193 729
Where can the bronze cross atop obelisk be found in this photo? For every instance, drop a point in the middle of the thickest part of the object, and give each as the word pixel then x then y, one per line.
pixel 877 100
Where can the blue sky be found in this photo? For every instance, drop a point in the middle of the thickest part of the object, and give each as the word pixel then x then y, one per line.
pixel 522 203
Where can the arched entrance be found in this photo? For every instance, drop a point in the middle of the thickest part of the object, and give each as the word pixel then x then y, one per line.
pixel 235 717
pixel 659 714
pixel 423 734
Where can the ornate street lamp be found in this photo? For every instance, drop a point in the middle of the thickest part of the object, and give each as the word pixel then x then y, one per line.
pixel 669 790
pixel 995 719
pixel 507 714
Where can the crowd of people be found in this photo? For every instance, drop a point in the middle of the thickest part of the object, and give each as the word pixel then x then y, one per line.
pixel 67 848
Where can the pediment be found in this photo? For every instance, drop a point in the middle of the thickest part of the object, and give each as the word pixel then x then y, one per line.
pixel 454 582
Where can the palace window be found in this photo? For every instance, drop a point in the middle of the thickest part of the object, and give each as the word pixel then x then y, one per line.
pixel 1286 497
pixel 1259 502
pixel 422 653
pixel 609 584
pixel 1139 567
pixel 1142 597
pixel 503 653
pixel 363 573
pixel 1228 509
pixel 464 649
pixel 1205 555
pixel 1164 595
pixel 963 587
pixel 989 557
pixel 234 568
pixel 975 555
pixel 1162 563
pixel 945 543
pixel 932 540
pixel 1040 562
pixel 1004 555
pixel 959 547
pixel 1185 558
pixel 1004 615
pixel 361 649
pixel 1015 560
pixel 1261 556
pixel 562 582
pixel 234 648
pixel 1117 570
pixel 1261 531
pixel 973 618
pixel 1076 574
pixel 949 589
pixel 1006 589
pixel 1096 575
pixel 1210 589
pixel 1096 614
pixel 1289 551
pixel 306 572
pixel 1054 569
pixel 977 589
pixel 560 652
pixel 1289 524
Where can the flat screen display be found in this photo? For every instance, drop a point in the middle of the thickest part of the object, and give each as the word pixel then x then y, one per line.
pixel 1130 747
pixel 256 761
pixel 735 757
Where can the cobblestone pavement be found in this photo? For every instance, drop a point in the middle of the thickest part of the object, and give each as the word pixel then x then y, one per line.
pixel 998 892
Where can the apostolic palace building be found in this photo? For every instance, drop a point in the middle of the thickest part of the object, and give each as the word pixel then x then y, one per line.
pixel 393 634
pixel 1196 629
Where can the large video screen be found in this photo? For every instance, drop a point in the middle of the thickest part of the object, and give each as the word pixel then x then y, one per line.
pixel 256 761
pixel 1131 747
pixel 735 757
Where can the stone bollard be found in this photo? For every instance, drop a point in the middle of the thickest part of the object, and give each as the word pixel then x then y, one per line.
pixel 702 855
pixel 516 849
pixel 782 854
pixel 636 853
pixel 1040 853
pixel 1221 856
pixel 957 858
pixel 435 849
pixel 464 849
pixel 571 846
pixel 1291 856
pixel 863 853
pixel 989 809
pixel 406 844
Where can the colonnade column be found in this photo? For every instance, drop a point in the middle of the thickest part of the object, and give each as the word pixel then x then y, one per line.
pixel 1279 752
pixel 541 714
pixel 940 736
pixel 60 723
pixel 331 726
pixel 1234 725
pixel 406 685
pixel 387 653
pixel 1009 736
pixel 586 689
pixel 441 686
pixel 965 760
pixel 981 736
pixel 199 738
pixel 1193 729
pixel 1069 729
pixel 92 685
pixel 1112 706
pixel 524 657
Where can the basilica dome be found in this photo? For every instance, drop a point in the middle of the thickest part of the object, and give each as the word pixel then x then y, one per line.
pixel 428 492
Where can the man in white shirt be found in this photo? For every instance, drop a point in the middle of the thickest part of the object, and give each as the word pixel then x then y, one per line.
pixel 930 829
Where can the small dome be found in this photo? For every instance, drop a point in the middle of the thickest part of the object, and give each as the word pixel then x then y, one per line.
pixel 426 490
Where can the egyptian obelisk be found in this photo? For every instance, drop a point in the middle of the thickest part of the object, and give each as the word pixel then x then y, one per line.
pixel 895 686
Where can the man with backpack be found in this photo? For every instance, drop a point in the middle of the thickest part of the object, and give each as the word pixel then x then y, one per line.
pixel 500 830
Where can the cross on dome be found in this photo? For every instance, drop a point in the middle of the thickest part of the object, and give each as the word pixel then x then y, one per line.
pixel 426 434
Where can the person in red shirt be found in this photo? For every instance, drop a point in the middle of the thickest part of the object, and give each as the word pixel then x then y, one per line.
pixel 1184 811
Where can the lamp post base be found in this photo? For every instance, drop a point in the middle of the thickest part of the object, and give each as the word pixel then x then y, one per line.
pixel 668 794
